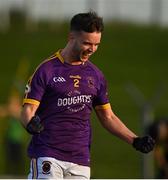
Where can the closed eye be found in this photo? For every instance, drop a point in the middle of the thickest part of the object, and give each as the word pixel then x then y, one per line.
pixel 90 44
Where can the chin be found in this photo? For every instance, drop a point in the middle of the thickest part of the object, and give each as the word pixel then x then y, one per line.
pixel 84 60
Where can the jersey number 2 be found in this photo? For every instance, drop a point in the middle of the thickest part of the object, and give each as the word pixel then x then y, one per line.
pixel 76 82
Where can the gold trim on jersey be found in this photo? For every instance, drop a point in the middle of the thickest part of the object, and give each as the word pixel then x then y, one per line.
pixel 104 106
pixel 34 168
pixel 31 101
pixel 57 55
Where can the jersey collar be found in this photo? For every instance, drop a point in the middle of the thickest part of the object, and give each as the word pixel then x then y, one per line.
pixel 58 55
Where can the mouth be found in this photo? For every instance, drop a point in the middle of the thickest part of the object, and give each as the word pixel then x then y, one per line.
pixel 85 55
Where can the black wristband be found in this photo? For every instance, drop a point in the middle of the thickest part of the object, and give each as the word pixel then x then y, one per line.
pixel 34 126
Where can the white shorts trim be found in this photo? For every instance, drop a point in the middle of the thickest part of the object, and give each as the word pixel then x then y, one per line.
pixel 51 168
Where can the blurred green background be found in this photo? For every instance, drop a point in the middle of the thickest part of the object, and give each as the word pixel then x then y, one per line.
pixel 128 54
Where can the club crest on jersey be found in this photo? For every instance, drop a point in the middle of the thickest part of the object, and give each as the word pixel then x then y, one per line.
pixel 59 79
pixel 91 83
pixel 46 167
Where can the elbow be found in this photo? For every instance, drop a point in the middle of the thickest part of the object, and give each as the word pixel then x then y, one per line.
pixel 106 121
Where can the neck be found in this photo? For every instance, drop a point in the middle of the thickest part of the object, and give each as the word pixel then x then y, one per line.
pixel 69 58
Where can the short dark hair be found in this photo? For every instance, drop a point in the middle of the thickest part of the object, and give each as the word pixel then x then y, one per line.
pixel 88 22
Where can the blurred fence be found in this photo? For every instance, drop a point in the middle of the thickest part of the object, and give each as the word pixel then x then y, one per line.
pixel 139 11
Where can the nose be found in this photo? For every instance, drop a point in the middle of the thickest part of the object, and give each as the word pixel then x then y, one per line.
pixel 92 48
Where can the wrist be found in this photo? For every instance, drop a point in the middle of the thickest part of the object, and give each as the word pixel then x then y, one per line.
pixel 34 126
pixel 134 139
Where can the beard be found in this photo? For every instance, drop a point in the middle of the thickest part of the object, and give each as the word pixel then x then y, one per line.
pixel 85 55
pixel 80 54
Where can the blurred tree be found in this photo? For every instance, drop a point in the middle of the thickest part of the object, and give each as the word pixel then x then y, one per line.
pixel 14 137
pixel 159 131
pixel 13 140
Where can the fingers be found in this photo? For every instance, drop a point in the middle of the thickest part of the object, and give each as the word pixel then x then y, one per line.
pixel 144 144
pixel 148 144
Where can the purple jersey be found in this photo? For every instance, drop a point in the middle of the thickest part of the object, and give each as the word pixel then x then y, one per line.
pixel 65 94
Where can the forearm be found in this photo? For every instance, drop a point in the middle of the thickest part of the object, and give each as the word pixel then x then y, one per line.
pixel 30 120
pixel 113 124
pixel 117 128
pixel 27 113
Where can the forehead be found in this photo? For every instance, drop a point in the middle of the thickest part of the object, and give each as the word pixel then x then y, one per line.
pixel 93 36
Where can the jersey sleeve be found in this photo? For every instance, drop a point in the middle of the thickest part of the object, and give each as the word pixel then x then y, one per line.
pixel 35 87
pixel 101 101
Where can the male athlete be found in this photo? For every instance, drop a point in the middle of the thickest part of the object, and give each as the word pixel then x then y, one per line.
pixel 58 102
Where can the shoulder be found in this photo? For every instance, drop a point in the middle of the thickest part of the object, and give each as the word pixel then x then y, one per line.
pixel 48 64
pixel 96 70
pixel 45 69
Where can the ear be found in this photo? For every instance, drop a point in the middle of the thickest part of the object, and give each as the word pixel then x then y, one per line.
pixel 71 36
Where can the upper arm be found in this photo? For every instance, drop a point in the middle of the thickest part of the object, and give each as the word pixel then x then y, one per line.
pixel 104 112
pixel 36 85
pixel 34 92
